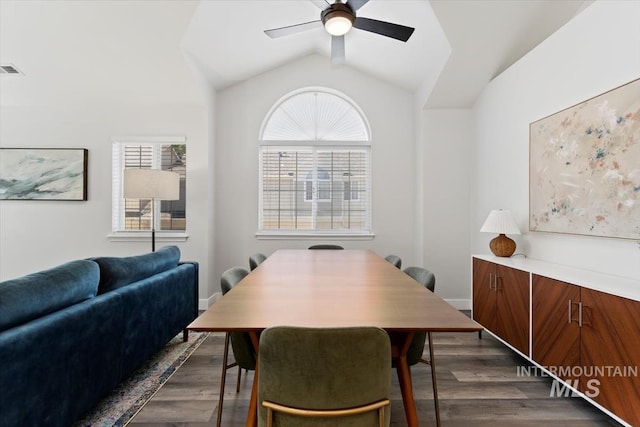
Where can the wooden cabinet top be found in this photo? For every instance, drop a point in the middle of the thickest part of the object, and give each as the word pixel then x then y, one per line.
pixel 615 285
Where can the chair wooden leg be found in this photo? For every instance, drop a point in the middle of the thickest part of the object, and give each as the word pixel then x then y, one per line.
pixel 238 382
pixel 225 355
pixel 432 362
pixel 185 335
pixel 269 417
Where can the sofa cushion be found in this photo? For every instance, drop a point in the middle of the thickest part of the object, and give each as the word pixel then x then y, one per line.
pixel 37 294
pixel 57 367
pixel 116 272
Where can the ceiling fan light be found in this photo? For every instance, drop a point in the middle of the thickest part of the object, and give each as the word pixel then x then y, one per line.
pixel 338 24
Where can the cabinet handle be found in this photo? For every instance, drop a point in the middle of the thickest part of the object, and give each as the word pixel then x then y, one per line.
pixel 570 304
pixel 491 281
pixel 580 314
pixel 495 281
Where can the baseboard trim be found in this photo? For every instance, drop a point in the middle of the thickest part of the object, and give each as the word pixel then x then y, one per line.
pixel 205 303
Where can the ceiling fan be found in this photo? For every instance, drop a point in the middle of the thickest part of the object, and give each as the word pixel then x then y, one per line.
pixel 338 18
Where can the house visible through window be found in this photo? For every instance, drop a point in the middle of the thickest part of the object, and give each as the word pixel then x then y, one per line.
pixel 351 190
pixel 322 183
pixel 147 153
pixel 315 166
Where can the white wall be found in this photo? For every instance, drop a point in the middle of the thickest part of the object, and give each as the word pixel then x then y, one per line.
pixel 240 112
pixel 446 158
pixel 42 234
pixel 88 76
pixel 595 52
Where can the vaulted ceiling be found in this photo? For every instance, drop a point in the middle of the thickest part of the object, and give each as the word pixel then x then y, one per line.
pixel 458 45
pixel 457 48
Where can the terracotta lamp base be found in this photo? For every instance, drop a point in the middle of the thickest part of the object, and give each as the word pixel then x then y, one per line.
pixel 502 246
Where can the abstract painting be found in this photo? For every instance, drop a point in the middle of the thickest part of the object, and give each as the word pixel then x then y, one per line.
pixel 43 174
pixel 584 172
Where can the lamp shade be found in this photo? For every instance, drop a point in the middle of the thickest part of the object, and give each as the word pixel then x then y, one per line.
pixel 501 222
pixel 151 184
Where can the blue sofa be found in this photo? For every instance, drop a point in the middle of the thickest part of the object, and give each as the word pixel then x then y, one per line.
pixel 70 334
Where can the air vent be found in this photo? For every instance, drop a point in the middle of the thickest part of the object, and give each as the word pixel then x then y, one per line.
pixel 10 69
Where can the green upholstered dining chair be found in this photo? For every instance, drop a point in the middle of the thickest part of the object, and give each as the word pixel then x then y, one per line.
pixel 427 279
pixel 326 246
pixel 324 377
pixel 414 355
pixel 231 277
pixel 244 353
pixel 256 259
pixel 423 276
pixel 395 260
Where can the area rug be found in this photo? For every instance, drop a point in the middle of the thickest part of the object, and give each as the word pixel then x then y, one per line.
pixel 130 396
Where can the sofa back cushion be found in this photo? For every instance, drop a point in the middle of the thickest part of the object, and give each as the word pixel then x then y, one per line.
pixel 37 294
pixel 116 272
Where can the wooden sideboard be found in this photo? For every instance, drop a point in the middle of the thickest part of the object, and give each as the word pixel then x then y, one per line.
pixel 579 326
pixel 501 302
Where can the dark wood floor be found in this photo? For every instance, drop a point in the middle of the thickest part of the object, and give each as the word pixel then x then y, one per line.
pixel 478 385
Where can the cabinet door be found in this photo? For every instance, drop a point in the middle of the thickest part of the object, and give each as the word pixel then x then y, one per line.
pixel 484 297
pixel 512 302
pixel 556 342
pixel 611 344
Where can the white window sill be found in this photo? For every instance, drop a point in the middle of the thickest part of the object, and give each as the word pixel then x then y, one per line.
pixel 280 235
pixel 145 236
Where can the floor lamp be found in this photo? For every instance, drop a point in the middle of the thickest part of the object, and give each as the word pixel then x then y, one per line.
pixel 151 184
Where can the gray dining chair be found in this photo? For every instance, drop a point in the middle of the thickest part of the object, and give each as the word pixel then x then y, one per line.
pixel 423 276
pixel 427 279
pixel 414 355
pixel 340 374
pixel 326 246
pixel 256 259
pixel 395 260
pixel 244 353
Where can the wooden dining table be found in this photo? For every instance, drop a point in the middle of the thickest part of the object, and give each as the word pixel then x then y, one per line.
pixel 336 288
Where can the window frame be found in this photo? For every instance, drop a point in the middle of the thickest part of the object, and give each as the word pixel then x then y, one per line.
pixel 118 201
pixel 317 123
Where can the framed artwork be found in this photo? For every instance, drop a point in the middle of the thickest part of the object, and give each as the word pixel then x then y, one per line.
pixel 584 172
pixel 43 173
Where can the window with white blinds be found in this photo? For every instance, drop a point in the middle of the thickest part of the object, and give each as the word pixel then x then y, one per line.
pixel 148 153
pixel 315 188
pixel 315 166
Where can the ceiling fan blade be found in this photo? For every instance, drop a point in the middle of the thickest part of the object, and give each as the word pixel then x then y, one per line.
pixel 292 29
pixel 398 32
pixel 337 50
pixel 322 4
pixel 356 4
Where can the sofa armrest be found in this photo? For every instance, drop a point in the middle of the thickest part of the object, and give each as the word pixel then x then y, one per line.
pixel 196 285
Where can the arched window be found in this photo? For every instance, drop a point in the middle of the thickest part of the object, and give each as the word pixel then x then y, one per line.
pixel 315 169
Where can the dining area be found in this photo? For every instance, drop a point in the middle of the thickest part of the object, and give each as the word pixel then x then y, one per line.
pixel 327 329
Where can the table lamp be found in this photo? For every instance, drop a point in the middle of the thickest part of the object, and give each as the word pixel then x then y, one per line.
pixel 501 222
pixel 151 184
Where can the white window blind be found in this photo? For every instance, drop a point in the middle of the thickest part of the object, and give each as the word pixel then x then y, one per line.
pixel 315 166
pixel 148 153
pixel 315 188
